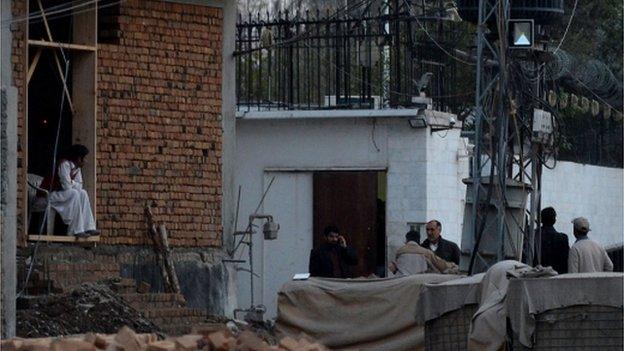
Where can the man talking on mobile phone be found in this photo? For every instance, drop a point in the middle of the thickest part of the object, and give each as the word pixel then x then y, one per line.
pixel 333 258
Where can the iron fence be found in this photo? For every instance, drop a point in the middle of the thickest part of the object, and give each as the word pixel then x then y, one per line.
pixel 369 55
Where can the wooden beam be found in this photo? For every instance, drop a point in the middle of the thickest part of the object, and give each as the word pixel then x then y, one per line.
pixel 63 238
pixel 56 59
pixel 33 65
pixel 63 78
pixel 57 45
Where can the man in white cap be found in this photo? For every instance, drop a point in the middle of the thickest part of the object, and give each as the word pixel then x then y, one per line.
pixel 587 255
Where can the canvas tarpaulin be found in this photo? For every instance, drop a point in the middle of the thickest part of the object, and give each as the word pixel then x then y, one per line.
pixel 438 299
pixel 365 314
pixel 529 297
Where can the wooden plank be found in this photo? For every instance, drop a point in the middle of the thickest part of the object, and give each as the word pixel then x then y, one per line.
pixel 57 45
pixel 85 25
pixel 63 238
pixel 33 65
pixel 84 125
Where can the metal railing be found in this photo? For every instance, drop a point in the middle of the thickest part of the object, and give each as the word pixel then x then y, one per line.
pixel 369 55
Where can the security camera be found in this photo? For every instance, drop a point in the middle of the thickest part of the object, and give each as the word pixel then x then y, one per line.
pixel 452 121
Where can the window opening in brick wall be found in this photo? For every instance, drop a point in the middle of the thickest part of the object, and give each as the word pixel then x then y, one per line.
pixel 57 35
pixel 44 101
pixel 60 26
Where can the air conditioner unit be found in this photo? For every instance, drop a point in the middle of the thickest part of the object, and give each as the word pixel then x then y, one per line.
pixel 372 102
pixel 423 101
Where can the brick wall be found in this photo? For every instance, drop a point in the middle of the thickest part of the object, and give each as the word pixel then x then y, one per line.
pixel 159 124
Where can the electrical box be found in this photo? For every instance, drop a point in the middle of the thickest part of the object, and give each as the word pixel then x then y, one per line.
pixel 542 127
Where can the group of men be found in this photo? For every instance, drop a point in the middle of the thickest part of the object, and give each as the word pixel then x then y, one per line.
pixel 585 255
pixel 435 254
pixel 333 258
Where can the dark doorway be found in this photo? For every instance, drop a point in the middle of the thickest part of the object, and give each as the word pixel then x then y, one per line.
pixel 354 202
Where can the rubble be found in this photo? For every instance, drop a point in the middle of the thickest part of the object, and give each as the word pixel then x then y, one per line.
pixel 127 340
pixel 90 308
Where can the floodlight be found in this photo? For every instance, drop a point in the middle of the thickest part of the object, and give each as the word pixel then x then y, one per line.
pixel 520 33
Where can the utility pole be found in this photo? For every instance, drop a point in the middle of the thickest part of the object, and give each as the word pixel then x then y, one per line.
pixel 496 220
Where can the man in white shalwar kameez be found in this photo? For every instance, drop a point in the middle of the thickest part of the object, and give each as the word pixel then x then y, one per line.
pixel 69 199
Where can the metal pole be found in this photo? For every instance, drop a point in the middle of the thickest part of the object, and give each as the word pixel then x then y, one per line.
pixel 476 163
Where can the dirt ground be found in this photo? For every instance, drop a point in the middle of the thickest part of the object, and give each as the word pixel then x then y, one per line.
pixel 89 308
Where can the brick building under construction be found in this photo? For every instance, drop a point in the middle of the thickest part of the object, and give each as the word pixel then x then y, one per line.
pixel 143 85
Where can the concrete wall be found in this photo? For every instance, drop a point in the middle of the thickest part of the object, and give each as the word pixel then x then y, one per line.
pixel 576 190
pixel 228 108
pixel 202 276
pixel 8 180
pixel 292 149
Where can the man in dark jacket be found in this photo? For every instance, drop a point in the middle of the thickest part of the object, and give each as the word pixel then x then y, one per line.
pixel 554 245
pixel 333 258
pixel 446 250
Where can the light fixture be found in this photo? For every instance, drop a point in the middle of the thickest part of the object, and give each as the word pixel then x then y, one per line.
pixel 255 313
pixel 269 229
pixel 521 33
pixel 418 121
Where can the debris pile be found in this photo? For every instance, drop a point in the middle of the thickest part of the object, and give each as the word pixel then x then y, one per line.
pixel 90 308
pixel 127 340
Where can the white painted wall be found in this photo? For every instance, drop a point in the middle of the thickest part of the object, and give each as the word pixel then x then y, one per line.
pixel 447 165
pixel 577 190
pixel 304 146
pixel 290 198
pixel 424 177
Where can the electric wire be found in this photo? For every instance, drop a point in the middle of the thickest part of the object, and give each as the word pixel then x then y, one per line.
pixel 567 27
pixel 432 39
pixel 58 9
pixel 63 15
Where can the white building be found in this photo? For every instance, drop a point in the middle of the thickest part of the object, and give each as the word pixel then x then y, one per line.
pixel 415 174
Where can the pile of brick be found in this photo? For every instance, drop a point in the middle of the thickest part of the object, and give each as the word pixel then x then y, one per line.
pixel 127 340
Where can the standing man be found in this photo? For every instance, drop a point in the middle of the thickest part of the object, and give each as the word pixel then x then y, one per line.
pixel 587 255
pixel 446 250
pixel 554 245
pixel 333 258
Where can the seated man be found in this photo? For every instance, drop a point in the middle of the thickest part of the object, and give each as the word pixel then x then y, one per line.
pixel 68 197
pixel 333 258
pixel 412 258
